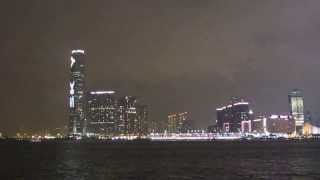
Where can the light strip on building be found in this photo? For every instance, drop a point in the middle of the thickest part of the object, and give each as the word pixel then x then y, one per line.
pixel 240 103
pixel 77 51
pixel 220 109
pixel 102 92
pixel 72 61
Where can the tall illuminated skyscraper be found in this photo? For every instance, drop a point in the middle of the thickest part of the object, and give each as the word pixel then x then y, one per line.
pixel 76 94
pixel 296 109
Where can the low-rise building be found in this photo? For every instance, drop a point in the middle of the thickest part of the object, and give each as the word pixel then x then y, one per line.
pixel 259 124
pixel 280 124
pixel 311 129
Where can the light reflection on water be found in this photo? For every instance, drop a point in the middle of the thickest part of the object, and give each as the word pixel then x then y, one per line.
pixel 222 160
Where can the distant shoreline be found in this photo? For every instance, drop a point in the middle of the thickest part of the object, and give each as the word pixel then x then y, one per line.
pixel 146 141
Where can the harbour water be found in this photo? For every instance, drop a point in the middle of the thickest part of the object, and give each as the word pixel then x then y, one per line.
pixel 287 160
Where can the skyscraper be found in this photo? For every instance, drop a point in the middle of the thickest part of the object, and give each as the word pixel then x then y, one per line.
pixel 296 109
pixel 128 119
pixel 132 117
pixel 76 94
pixel 101 113
pixel 143 123
pixel 177 122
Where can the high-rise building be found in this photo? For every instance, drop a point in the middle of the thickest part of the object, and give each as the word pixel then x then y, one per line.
pixel 230 117
pixel 76 94
pixel 144 126
pixel 296 109
pixel 101 113
pixel 127 123
pixel 178 122
pixel 109 116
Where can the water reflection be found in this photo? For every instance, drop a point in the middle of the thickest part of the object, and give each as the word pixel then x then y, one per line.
pixel 83 161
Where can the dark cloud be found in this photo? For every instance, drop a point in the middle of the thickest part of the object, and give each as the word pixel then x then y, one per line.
pixel 174 55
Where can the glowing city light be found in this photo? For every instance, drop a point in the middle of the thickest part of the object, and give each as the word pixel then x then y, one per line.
pixel 274 116
pixel 240 103
pixel 221 109
pixel 102 92
pixel 77 51
pixel 72 87
pixel 71 103
pixel 72 61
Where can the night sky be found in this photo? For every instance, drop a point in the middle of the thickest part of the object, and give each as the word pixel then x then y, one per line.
pixel 173 55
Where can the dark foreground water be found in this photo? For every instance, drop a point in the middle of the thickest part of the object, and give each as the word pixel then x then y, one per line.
pixel 174 160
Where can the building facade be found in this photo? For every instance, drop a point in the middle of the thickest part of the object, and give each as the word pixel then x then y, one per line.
pixel 132 117
pixel 110 116
pixel 259 124
pixel 178 123
pixel 128 119
pixel 230 117
pixel 77 124
pixel 280 124
pixel 144 126
pixel 296 109
pixel 101 113
pixel 310 129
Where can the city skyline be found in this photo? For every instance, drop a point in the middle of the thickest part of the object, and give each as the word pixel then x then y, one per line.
pixel 177 57
pixel 101 114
